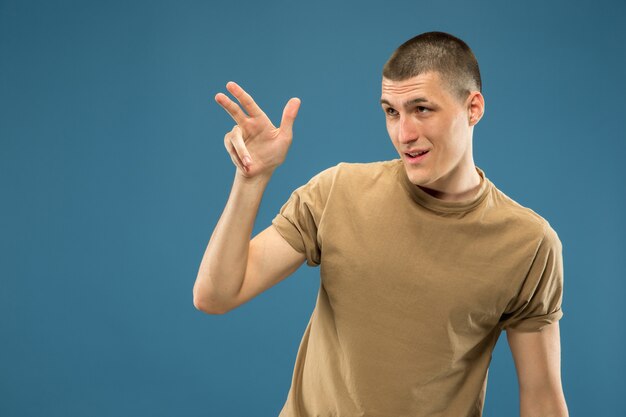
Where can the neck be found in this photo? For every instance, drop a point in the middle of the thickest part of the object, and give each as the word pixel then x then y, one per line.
pixel 464 189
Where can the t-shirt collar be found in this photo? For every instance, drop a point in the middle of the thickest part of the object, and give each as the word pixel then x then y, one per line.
pixel 436 204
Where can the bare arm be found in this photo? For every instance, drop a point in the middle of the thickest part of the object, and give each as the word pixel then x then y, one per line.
pixel 537 357
pixel 256 147
pixel 224 263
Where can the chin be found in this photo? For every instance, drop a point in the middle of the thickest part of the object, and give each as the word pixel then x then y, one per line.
pixel 415 178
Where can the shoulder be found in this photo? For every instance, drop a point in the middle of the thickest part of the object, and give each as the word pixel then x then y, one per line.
pixel 364 171
pixel 518 216
pixel 347 178
pixel 343 172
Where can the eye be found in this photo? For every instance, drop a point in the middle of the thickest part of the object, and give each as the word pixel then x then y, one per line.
pixel 422 109
pixel 390 111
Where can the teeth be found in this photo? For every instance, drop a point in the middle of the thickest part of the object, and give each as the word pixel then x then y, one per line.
pixel 416 154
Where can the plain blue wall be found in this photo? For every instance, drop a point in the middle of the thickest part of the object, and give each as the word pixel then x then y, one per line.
pixel 113 174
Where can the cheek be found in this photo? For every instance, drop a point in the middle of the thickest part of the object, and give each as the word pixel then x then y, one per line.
pixel 391 130
pixel 457 125
pixel 448 133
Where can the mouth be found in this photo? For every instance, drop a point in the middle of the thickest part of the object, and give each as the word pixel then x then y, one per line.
pixel 415 157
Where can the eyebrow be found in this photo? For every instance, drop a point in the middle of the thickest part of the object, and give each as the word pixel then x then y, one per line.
pixel 408 103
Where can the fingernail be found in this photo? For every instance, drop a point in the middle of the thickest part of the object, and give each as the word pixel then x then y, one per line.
pixel 247 160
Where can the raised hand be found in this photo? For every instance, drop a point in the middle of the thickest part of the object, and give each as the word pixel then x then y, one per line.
pixel 255 145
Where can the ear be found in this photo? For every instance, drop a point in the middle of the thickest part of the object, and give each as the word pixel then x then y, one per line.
pixel 475 107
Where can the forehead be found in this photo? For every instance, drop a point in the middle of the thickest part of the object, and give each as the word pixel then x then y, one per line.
pixel 427 85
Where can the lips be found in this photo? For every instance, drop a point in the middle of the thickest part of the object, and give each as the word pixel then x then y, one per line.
pixel 419 155
pixel 416 153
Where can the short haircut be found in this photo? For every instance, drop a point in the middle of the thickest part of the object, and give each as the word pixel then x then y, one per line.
pixel 436 51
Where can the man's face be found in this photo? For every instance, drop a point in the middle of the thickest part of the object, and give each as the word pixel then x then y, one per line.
pixel 421 114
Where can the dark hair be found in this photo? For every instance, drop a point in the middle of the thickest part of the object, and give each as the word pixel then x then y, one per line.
pixel 436 51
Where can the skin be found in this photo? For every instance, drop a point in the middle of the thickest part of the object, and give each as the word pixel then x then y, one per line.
pixel 443 124
pixel 255 145
pixel 537 357
pixel 236 269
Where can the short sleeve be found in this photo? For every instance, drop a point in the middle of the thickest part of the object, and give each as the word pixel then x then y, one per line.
pixel 299 218
pixel 538 302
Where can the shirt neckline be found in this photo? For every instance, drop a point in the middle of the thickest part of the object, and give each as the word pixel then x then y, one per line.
pixel 445 206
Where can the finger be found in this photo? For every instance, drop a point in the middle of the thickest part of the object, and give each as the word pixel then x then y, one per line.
pixel 231 107
pixel 237 163
pixel 244 98
pixel 233 155
pixel 240 147
pixel 289 115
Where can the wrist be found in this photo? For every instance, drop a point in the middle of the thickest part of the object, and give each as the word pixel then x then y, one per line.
pixel 257 180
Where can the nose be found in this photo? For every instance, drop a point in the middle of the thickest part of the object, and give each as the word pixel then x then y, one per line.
pixel 408 130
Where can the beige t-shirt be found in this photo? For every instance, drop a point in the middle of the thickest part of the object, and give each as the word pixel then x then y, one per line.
pixel 414 292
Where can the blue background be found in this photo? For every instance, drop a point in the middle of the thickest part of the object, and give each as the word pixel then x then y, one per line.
pixel 113 174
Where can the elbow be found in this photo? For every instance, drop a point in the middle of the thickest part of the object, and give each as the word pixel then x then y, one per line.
pixel 209 307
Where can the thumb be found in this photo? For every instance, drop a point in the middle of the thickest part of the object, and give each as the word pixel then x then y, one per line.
pixel 289 115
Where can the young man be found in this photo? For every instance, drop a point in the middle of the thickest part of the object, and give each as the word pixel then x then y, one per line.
pixel 423 260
